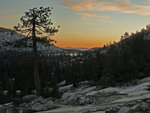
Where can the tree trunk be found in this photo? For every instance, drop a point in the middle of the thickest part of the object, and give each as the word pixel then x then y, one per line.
pixel 36 62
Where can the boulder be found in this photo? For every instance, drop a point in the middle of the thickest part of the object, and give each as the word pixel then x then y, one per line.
pixel 66 88
pixel 49 105
pixel 38 106
pixel 29 98
pixel 84 101
pixel 66 95
pixel 35 103
pixel 125 110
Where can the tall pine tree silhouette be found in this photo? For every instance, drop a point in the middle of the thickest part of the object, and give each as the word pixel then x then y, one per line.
pixel 36 22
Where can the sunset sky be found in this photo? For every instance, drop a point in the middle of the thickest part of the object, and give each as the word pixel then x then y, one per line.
pixel 84 23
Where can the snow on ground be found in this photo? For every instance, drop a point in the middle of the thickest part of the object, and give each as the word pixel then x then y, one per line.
pixel 137 92
pixel 107 90
pixel 7 104
pixel 133 98
pixel 84 91
pixel 137 88
pixel 103 100
pixel 61 83
pixel 90 99
pixel 145 80
pixel 111 90
pixel 68 109
pixel 65 88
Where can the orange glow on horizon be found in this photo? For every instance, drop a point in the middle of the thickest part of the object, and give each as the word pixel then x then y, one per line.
pixel 83 41
pixel 72 44
pixel 79 46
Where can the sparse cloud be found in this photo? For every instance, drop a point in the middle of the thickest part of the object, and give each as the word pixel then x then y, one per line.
pixel 79 22
pixel 94 15
pixel 123 6
pixel 146 2
pixel 14 16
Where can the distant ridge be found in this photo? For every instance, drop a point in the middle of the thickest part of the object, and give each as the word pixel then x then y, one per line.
pixel 6 32
pixel 81 49
pixel 2 29
pixel 12 41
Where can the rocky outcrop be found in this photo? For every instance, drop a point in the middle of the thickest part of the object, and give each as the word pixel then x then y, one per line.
pixel 30 104
pixel 29 98
pixel 37 103
pixel 125 110
pixel 91 99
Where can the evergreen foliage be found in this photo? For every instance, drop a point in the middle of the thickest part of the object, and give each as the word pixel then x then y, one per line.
pixel 37 22
pixel 115 64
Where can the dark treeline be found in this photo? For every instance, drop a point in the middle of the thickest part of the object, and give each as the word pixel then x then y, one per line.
pixel 111 65
pixel 16 70
pixel 115 64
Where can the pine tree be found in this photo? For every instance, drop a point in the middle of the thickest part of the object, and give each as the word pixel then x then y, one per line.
pixel 36 22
